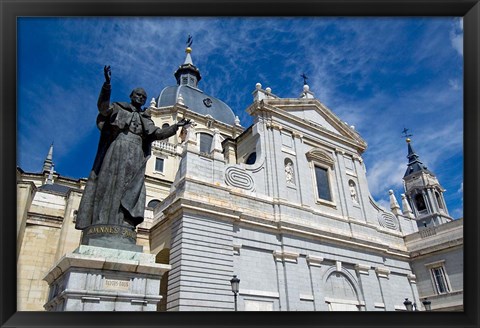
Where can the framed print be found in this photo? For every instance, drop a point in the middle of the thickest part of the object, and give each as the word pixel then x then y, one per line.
pixel 290 161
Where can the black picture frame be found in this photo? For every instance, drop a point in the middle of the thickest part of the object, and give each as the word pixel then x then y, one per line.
pixel 10 10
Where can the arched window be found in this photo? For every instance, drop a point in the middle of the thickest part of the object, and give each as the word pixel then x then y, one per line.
pixel 153 203
pixel 205 142
pixel 420 202
pixel 340 293
pixel 439 200
pixel 322 164
pixel 251 159
pixel 163 257
pixel 164 126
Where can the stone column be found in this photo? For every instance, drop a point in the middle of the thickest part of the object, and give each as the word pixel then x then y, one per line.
pixel 25 194
pixel 69 236
pixel 282 283
pixel 316 273
pixel 412 279
pixel 290 266
pixel 369 286
pixel 341 177
pixel 362 185
pixel 383 276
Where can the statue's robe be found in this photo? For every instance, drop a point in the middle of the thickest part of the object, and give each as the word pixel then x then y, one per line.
pixel 115 190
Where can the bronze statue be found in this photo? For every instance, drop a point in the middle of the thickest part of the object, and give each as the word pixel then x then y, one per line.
pixel 113 201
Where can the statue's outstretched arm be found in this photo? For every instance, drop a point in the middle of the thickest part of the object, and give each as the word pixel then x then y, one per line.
pixel 165 133
pixel 103 103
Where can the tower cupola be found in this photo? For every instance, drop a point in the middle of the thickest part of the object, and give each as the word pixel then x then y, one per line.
pixel 188 73
pixel 423 191
pixel 187 93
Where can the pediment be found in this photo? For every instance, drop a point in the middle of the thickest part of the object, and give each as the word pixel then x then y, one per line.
pixel 313 113
pixel 320 156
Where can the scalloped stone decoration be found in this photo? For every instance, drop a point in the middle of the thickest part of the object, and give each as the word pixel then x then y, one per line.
pixel 236 177
pixel 388 220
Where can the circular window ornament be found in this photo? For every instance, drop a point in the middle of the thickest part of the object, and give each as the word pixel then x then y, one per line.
pixel 207 102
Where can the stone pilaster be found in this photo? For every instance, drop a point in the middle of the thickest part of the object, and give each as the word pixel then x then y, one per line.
pixel 369 286
pixel 383 274
pixel 25 194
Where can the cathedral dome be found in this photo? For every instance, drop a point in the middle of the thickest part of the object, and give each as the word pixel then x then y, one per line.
pixel 188 76
pixel 197 101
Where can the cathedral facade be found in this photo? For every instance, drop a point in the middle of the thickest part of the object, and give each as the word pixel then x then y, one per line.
pixel 284 205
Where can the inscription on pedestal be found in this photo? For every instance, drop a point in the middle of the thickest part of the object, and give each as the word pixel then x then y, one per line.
pixel 116 284
pixel 111 230
pixel 111 236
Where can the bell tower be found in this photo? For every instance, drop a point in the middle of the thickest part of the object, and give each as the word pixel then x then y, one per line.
pixel 423 192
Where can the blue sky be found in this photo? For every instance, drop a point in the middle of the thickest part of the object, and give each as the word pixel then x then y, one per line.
pixel 378 74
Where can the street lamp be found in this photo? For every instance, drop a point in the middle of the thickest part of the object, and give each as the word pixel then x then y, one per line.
pixel 408 305
pixel 427 304
pixel 235 285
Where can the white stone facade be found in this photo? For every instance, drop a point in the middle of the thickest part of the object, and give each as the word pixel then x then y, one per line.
pixel 283 204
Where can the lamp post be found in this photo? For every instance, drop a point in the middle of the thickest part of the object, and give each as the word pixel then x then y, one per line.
pixel 408 305
pixel 427 304
pixel 235 282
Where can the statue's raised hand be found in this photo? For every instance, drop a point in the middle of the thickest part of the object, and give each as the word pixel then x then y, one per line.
pixel 183 122
pixel 108 73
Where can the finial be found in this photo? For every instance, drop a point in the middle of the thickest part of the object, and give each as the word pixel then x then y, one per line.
pixel 406 135
pixel 305 78
pixel 180 99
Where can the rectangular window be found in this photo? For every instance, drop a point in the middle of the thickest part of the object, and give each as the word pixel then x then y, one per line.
pixel 205 142
pixel 159 164
pixel 323 185
pixel 440 280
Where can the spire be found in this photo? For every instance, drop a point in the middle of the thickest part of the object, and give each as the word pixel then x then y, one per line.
pixel 188 58
pixel 394 204
pixel 48 163
pixel 407 210
pixel 188 73
pixel 414 163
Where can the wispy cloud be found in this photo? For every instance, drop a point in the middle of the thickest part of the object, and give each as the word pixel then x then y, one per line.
pixel 456 36
pixel 380 75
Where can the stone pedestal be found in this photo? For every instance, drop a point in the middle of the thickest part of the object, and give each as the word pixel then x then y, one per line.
pixel 105 279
